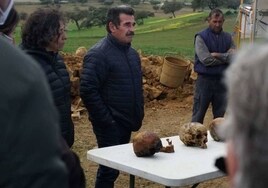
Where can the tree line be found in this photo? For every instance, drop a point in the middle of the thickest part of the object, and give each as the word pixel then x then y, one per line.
pixel 93 16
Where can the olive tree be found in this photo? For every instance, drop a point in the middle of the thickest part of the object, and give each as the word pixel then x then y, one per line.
pixel 171 7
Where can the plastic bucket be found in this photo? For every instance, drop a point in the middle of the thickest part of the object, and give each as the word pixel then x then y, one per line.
pixel 173 71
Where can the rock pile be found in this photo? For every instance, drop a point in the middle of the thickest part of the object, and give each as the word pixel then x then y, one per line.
pixel 151 68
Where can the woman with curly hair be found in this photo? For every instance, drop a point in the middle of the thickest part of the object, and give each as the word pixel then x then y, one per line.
pixel 43 36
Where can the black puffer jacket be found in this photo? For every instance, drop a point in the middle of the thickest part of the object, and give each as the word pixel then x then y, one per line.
pixel 111 84
pixel 59 81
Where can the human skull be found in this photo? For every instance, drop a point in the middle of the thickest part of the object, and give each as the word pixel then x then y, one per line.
pixel 194 134
pixel 146 144
pixel 214 129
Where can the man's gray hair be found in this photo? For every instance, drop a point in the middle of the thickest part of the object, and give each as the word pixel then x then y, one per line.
pixel 247 115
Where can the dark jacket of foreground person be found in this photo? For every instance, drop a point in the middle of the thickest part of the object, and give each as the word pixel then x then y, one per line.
pixel 59 81
pixel 29 137
pixel 121 95
pixel 72 162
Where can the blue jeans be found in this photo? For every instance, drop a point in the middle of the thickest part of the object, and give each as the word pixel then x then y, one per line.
pixel 208 89
pixel 109 135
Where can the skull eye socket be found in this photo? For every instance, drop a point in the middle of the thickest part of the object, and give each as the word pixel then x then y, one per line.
pixel 198 136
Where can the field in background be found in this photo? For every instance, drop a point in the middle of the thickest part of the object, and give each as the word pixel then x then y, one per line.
pixel 158 35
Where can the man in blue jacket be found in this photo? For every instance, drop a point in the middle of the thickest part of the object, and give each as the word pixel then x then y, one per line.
pixel 111 87
pixel 213 53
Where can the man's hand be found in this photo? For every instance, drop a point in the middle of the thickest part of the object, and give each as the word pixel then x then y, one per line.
pixel 215 54
pixel 231 51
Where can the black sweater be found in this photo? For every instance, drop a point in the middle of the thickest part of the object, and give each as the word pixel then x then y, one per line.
pixel 59 81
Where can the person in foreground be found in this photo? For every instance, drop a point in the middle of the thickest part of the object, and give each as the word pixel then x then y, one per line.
pixel 246 119
pixel 111 87
pixel 43 36
pixel 29 137
pixel 213 53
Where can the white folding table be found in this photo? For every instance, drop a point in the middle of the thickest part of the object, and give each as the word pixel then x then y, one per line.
pixel 187 166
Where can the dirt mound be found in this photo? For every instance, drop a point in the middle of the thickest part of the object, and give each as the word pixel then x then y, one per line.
pixel 154 91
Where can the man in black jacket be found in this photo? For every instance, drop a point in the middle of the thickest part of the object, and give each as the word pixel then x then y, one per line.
pixel 111 87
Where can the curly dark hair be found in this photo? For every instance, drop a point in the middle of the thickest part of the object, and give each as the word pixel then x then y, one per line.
pixel 41 27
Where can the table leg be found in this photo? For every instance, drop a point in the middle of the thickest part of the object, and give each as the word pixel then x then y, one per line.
pixel 131 181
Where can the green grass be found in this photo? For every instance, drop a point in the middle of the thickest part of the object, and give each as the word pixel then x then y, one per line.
pixel 168 35
pixel 157 36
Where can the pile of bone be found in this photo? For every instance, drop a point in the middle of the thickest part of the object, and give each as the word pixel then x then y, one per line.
pixel 147 143
pixel 195 134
